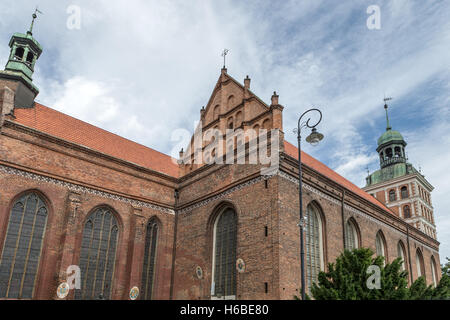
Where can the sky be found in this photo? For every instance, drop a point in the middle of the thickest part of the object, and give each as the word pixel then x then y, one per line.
pixel 143 69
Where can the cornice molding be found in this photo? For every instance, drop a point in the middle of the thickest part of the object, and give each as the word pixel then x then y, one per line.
pixel 82 189
pixel 350 208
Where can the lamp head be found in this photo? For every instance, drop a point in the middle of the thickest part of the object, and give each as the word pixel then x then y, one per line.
pixel 314 138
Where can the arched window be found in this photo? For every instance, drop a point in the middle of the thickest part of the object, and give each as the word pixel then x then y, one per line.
pixel 401 254
pixel 433 272
pixel 230 123
pixel 382 156
pixel 404 192
pixel 22 247
pixel 419 264
pixel 406 212
pixel 98 255
pixel 239 119
pixel 149 269
pixel 314 244
pixel 398 152
pixel 388 153
pixel 19 53
pixel 351 235
pixel 231 102
pixel 266 124
pixel 392 195
pixel 224 255
pixel 30 57
pixel 380 246
pixel 216 112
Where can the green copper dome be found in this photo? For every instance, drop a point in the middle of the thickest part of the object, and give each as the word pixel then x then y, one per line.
pixel 390 136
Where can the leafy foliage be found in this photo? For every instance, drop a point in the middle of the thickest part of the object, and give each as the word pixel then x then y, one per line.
pixel 348 279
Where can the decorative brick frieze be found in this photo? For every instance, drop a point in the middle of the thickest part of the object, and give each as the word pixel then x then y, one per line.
pixel 83 189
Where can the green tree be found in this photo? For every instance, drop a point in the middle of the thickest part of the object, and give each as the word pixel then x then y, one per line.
pixel 347 278
pixel 442 290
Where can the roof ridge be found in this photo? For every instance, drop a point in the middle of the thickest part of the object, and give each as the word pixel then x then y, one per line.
pixel 365 193
pixel 99 128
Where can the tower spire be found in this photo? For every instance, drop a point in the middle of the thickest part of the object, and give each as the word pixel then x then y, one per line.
pixel 388 126
pixel 30 32
pixel 224 55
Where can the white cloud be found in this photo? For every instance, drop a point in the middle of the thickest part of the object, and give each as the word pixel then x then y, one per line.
pixel 144 68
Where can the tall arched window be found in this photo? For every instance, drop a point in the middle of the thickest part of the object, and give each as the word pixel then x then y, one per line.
pixel 231 102
pixel 351 235
pixel 380 246
pixel 433 272
pixel 406 212
pixel 401 254
pixel 22 248
pixel 314 244
pixel 239 119
pixel 392 195
pixel 404 192
pixel 148 271
pixel 98 255
pixel 419 264
pixel 224 255
pixel 216 112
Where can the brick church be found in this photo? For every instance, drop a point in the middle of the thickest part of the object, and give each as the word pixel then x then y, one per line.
pixel 124 216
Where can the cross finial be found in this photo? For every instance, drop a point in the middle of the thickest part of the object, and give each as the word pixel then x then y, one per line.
pixel 388 127
pixel 224 55
pixel 34 18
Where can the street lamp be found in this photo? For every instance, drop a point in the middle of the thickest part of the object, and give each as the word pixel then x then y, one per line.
pixel 314 138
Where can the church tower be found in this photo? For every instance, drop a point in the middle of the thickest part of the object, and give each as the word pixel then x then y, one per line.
pixel 398 185
pixel 18 73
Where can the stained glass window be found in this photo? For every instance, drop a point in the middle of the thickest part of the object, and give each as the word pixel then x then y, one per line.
pixel 351 236
pixel 314 245
pixel 401 254
pixel 225 255
pixel 419 264
pixel 22 247
pixel 380 246
pixel 148 271
pixel 98 255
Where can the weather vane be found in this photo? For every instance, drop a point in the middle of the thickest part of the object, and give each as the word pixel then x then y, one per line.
pixel 34 18
pixel 388 127
pixel 224 55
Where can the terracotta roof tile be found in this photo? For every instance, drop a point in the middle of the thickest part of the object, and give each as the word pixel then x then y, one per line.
pixel 65 127
pixel 309 161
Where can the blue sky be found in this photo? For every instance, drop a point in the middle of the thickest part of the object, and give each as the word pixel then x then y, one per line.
pixel 145 68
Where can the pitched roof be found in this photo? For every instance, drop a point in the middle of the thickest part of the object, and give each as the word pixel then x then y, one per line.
pixel 318 166
pixel 65 127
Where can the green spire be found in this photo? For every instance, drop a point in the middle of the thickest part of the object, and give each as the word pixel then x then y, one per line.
pixel 30 32
pixel 388 126
pixel 25 51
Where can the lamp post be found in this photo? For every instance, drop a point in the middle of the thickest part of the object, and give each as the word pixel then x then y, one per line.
pixel 314 138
